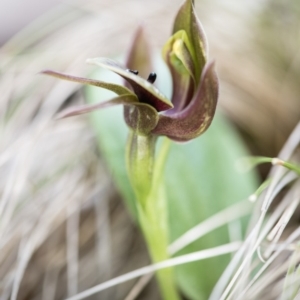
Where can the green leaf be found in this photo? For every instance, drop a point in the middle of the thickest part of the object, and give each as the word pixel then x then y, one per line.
pixel 111 133
pixel 201 179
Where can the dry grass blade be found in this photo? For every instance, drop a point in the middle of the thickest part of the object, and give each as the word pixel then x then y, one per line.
pixel 222 218
pixel 274 229
pixel 204 254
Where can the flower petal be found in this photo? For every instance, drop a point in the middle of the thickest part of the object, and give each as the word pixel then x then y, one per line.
pixel 187 20
pixel 140 117
pixel 177 53
pixel 145 91
pixel 197 116
pixel 139 57
pixel 118 89
pixel 179 50
pixel 83 109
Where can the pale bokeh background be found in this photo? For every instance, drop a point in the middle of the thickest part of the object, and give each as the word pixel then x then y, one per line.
pixel 15 14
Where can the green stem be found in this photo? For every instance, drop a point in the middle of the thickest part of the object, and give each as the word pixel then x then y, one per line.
pixel 147 181
pixel 154 229
pixel 140 163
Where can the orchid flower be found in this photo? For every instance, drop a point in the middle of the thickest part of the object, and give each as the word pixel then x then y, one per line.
pixel 147 110
pixel 150 114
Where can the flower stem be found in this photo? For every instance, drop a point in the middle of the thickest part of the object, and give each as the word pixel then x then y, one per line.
pixel 140 164
pixel 146 177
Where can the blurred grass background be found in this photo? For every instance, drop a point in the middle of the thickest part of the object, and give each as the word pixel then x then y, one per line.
pixel 55 194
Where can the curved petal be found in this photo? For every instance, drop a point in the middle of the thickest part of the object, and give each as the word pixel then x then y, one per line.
pixel 197 116
pixel 180 51
pixel 118 89
pixel 145 91
pixel 140 117
pixel 187 20
pixel 83 109
pixel 139 57
pixel 177 53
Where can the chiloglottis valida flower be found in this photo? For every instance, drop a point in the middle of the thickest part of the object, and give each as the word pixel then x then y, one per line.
pixel 146 109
